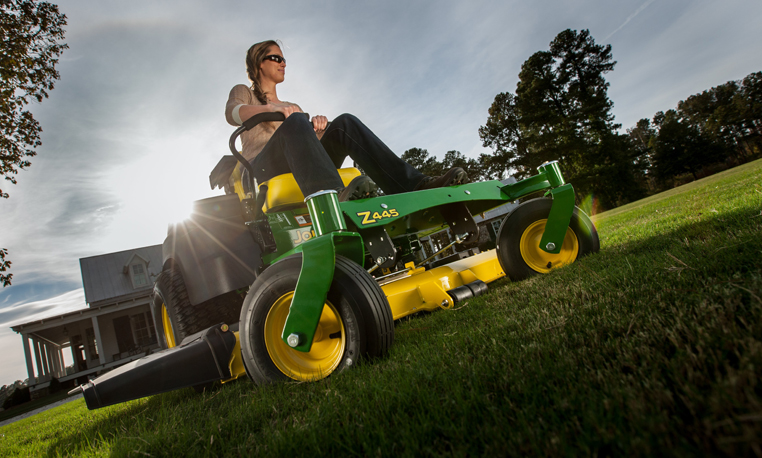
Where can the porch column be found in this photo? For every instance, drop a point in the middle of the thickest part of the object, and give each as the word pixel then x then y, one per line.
pixel 28 356
pixel 56 362
pixel 36 347
pixel 98 341
pixel 62 362
pixel 49 359
pixel 44 356
pixel 74 358
pixel 51 363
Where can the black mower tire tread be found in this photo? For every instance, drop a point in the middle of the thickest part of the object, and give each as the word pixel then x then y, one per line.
pixel 382 318
pixel 371 309
pixel 514 225
pixel 188 319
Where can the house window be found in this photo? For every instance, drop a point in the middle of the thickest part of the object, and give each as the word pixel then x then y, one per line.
pixel 138 275
pixel 143 329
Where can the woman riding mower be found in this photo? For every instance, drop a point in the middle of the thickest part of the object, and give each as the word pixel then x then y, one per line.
pixel 311 149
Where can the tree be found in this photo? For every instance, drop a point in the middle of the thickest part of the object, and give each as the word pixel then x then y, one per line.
pixel 561 110
pixel 504 135
pixel 715 116
pixel 749 103
pixel 680 147
pixel 642 149
pixel 5 279
pixel 30 34
pixel 420 159
pixel 475 169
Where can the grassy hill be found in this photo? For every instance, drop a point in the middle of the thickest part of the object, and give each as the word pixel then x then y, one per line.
pixel 651 347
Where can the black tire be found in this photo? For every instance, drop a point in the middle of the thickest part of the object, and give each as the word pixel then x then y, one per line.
pixel 521 228
pixel 355 303
pixel 169 295
pixel 185 319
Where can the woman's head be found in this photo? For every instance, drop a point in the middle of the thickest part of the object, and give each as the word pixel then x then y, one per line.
pixel 256 57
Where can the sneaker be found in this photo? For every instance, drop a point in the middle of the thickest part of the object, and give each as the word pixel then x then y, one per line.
pixel 454 176
pixel 361 187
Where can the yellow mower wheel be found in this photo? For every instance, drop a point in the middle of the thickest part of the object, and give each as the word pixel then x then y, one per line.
pixel 542 261
pixel 518 241
pixel 327 346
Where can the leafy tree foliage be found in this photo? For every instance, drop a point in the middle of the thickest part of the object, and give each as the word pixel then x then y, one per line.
pixel 642 150
pixel 5 279
pixel 680 147
pixel 504 135
pixel 30 34
pixel 477 169
pixel 561 111
pixel 729 115
pixel 486 167
pixel 420 159
pixel 714 129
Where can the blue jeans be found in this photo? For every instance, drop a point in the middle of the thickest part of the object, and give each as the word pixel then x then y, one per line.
pixel 294 148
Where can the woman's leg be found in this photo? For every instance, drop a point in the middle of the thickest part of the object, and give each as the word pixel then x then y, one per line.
pixel 348 136
pixel 294 148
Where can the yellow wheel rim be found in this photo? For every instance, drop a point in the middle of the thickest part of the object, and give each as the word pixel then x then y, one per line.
pixel 327 346
pixel 169 335
pixel 538 259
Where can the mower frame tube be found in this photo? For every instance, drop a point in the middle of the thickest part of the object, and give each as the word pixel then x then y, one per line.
pixel 318 266
pixel 558 220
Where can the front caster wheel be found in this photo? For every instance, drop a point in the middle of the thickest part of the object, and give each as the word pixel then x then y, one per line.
pixel 518 241
pixel 356 322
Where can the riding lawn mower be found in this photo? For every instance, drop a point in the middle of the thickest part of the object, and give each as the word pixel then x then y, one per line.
pixel 265 283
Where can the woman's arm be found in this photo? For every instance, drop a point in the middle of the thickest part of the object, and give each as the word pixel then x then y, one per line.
pixel 242 105
pixel 247 111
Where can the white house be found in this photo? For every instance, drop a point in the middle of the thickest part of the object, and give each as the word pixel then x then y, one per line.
pixel 116 326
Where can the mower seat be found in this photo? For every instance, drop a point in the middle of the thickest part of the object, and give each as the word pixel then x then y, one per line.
pixel 283 193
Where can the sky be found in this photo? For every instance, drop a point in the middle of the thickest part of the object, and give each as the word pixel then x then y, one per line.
pixel 136 123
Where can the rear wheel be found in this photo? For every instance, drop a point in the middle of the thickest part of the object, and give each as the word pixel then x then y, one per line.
pixel 356 321
pixel 178 318
pixel 169 295
pixel 518 241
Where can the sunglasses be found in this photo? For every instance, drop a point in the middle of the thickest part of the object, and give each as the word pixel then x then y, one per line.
pixel 276 58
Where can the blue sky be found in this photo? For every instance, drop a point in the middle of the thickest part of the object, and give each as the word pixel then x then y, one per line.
pixel 136 123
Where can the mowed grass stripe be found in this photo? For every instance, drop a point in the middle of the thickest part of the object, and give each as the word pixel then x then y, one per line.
pixel 651 347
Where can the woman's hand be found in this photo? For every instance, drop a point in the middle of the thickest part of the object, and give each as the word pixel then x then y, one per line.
pixel 319 123
pixel 286 108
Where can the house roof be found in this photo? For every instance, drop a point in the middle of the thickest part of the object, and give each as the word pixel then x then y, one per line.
pixel 106 278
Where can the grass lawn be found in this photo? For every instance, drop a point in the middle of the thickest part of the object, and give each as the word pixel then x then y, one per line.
pixel 651 347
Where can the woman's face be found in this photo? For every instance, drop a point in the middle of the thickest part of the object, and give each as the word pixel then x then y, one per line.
pixel 271 70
